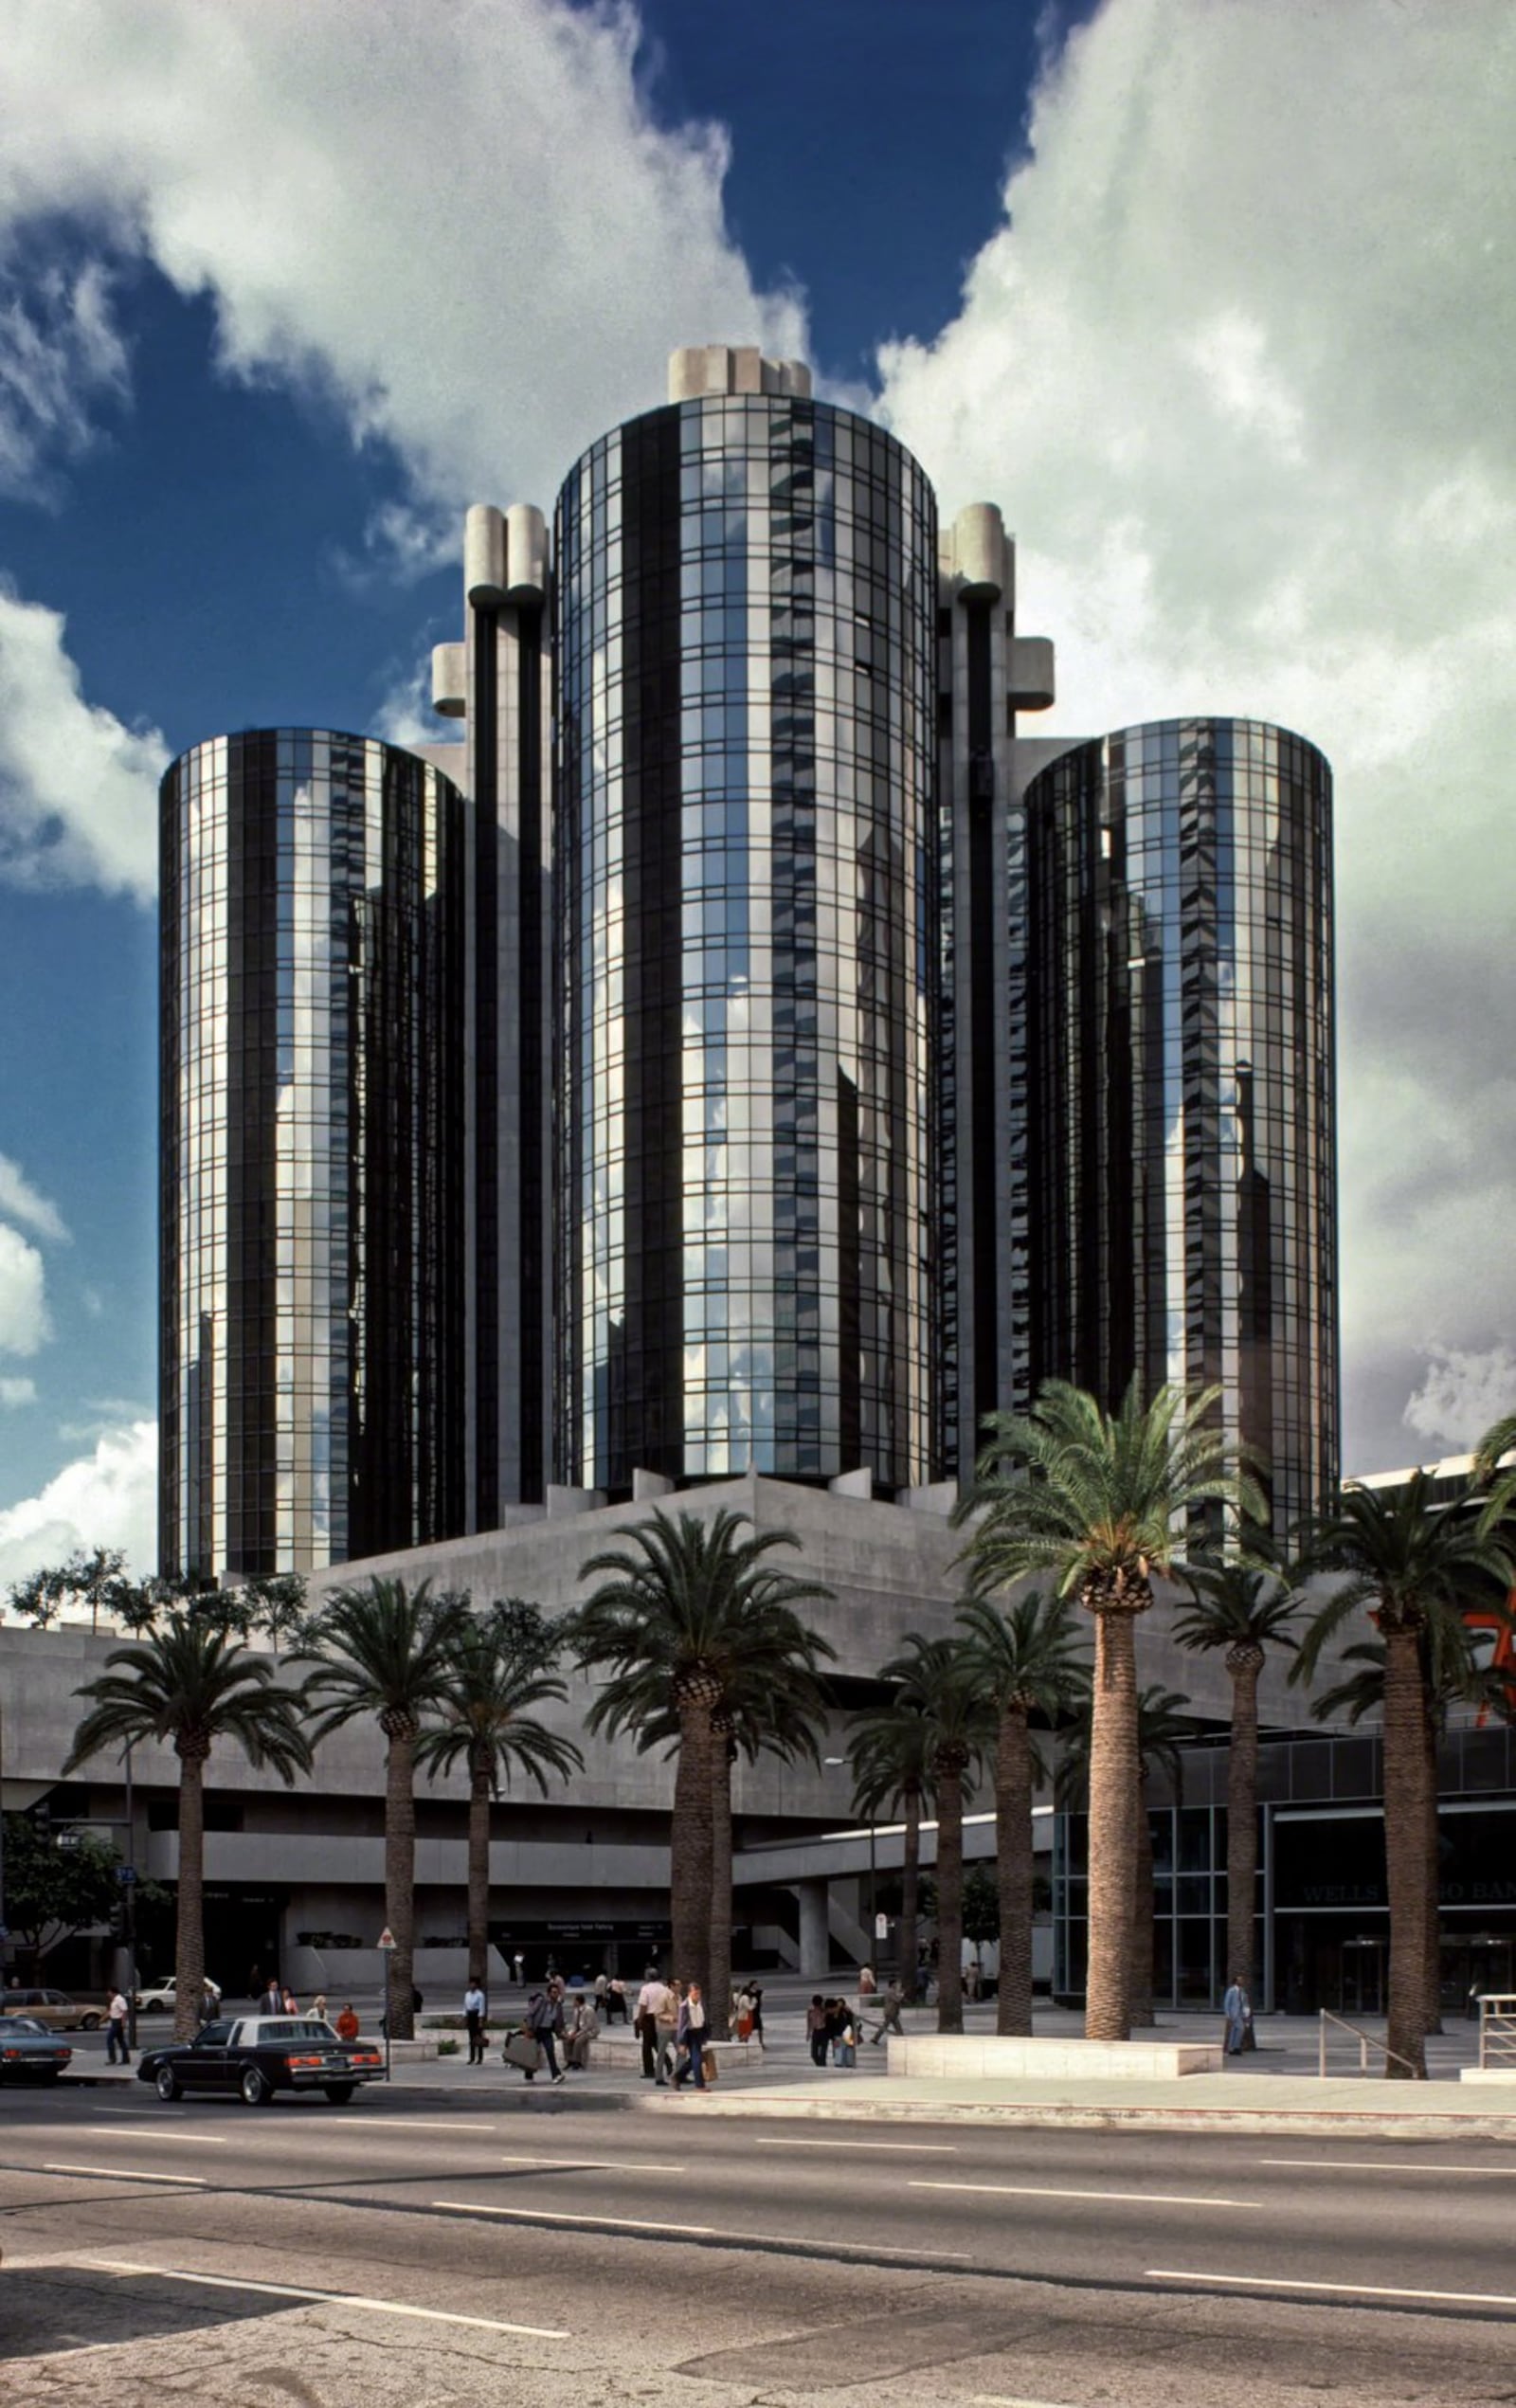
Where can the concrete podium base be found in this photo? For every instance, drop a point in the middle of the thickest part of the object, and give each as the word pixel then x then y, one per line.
pixel 970 2057
pixel 1494 2074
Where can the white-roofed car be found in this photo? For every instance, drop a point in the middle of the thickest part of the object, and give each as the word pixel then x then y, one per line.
pixel 160 1998
pixel 250 2056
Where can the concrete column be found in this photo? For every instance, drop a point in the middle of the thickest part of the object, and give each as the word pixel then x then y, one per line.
pixel 815 1930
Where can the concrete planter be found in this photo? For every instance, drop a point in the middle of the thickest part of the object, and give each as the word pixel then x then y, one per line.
pixel 970 2057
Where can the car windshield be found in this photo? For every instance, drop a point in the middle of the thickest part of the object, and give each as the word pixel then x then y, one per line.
pixel 10 2024
pixel 212 2035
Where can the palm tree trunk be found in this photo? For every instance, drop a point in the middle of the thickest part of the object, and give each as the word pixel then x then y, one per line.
pixel 718 1995
pixel 1013 1872
pixel 949 1898
pixel 1405 1850
pixel 910 1895
pixel 1431 2015
pixel 190 1939
pixel 1140 2005
pixel 691 1844
pixel 400 1879
pixel 1114 1789
pixel 1242 1826
pixel 479 1792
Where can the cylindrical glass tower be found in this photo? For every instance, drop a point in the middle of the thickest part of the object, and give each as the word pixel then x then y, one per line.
pixel 745 854
pixel 311 1373
pixel 1180 1124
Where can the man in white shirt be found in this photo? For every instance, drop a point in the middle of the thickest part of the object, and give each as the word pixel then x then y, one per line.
pixel 116 2030
pixel 473 2013
pixel 655 2003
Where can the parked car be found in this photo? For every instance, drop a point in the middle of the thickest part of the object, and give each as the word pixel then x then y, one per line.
pixel 160 1998
pixel 28 2052
pixel 55 2009
pixel 254 2055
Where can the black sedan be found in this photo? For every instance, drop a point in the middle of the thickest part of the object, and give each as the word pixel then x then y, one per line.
pixel 28 2052
pixel 257 2055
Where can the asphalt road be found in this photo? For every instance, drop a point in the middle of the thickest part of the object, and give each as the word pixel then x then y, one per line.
pixel 532 2248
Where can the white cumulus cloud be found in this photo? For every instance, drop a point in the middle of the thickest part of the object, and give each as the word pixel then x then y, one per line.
pixel 464 222
pixel 1463 1395
pixel 105 1499
pixel 78 789
pixel 24 1322
pixel 20 1201
pixel 1233 366
pixel 60 355
pixel 16 1392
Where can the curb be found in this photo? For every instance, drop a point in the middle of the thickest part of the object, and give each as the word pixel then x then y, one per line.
pixel 1287 2123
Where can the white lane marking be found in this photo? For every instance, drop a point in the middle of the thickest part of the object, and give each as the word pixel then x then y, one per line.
pixel 897 2148
pixel 1334 2290
pixel 598 2164
pixel 466 2124
pixel 179 2140
pixel 1376 2166
pixel 695 2231
pixel 129 2174
pixel 1046 2190
pixel 326 2298
pixel 1004 2400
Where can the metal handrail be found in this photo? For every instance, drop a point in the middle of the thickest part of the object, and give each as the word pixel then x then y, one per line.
pixel 1497 2028
pixel 1366 2041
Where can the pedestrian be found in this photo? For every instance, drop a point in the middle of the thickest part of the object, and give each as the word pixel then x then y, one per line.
pixel 867 1984
pixel 582 2031
pixel 519 1963
pixel 318 2006
pixel 272 2001
pixel 845 2046
pixel 545 2023
pixel 116 2030
pixel 756 2011
pixel 689 2034
pixel 615 2002
pixel 348 2025
pixel 890 2005
pixel 291 2004
pixel 474 2010
pixel 816 2028
pixel 654 2006
pixel 1237 2008
pixel 210 2003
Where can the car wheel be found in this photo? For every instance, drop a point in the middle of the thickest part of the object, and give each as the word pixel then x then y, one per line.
pixel 253 2087
pixel 89 2023
pixel 166 2082
pixel 339 2092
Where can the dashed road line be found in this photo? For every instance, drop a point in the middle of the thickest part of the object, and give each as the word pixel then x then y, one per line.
pixel 1048 2190
pixel 327 2298
pixel 1331 2290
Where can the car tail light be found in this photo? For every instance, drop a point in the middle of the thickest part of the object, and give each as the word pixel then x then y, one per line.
pixel 366 2057
pixel 12 2056
pixel 293 2061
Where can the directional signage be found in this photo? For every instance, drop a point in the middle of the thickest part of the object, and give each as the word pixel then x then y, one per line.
pixel 881 1927
pixel 126 1875
pixel 387 1939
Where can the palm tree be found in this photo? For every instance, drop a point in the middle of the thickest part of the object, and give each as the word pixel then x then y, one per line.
pixel 1498 1441
pixel 1245 1610
pixel 1460 1681
pixel 688 1617
pixel 1163 1727
pixel 502 1667
pixel 1102 1501
pixel 1416 1568
pixel 1027 1661
pixel 389 1652
pixel 889 1750
pixel 191 1685
pixel 941 1676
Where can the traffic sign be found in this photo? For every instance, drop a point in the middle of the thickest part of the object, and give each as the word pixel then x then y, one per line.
pixel 881 1927
pixel 126 1875
pixel 387 1939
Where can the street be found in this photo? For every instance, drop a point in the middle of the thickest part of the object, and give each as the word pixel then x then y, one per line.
pixel 525 2246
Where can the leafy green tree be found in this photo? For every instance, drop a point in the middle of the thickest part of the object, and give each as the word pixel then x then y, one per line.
pixel 191 1687
pixel 383 1650
pixel 941 1678
pixel 1101 1500
pixel 502 1668
pixel 1240 1609
pixel 1028 1661
pixel 93 1579
pixel 890 1749
pixel 687 1619
pixel 1416 1568
pixel 54 1890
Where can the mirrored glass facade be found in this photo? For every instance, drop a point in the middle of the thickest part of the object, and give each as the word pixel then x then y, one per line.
pixel 313 1103
pixel 746 885
pixel 1180 1129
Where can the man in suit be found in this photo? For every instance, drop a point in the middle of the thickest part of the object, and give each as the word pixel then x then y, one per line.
pixel 272 2000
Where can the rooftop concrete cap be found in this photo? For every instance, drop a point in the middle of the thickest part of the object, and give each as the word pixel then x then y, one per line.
pixel 484 555
pixel 449 680
pixel 1031 677
pixel 699 370
pixel 982 554
pixel 526 553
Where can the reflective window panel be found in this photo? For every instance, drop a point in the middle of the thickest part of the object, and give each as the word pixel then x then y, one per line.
pixel 745 949
pixel 311 1179
pixel 1180 1133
